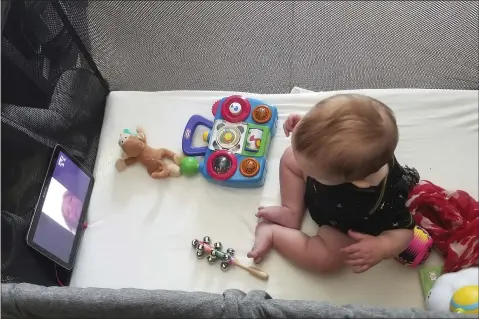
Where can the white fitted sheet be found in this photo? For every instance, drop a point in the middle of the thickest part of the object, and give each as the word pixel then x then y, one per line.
pixel 141 229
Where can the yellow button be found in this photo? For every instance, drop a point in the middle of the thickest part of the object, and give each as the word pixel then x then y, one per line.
pixel 228 136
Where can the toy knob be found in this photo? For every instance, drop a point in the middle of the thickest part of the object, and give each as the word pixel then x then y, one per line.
pixel 189 166
pixel 261 114
pixel 205 136
pixel 235 108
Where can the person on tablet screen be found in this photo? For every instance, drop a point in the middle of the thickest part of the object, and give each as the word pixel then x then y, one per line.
pixel 341 167
pixel 71 210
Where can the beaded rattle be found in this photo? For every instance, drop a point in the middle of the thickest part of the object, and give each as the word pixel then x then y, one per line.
pixel 227 258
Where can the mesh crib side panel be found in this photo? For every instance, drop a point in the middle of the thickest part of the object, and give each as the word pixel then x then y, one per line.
pixel 191 45
pixel 271 46
pixel 51 95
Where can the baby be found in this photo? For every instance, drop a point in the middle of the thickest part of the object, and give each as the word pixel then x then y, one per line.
pixel 71 210
pixel 341 167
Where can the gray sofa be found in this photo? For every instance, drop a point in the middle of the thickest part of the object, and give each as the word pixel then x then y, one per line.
pixel 263 47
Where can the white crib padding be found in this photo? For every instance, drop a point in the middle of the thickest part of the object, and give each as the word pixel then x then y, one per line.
pixel 141 229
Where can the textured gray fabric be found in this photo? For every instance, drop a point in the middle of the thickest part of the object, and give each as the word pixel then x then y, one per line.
pixel 170 45
pixel 21 301
pixel 384 44
pixel 270 46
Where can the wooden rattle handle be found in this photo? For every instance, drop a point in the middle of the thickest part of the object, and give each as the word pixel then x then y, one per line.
pixel 252 270
pixel 258 273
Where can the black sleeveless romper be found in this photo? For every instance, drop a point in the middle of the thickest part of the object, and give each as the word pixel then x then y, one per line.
pixel 371 210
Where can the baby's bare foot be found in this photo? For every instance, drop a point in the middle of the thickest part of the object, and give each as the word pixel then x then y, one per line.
pixel 280 215
pixel 262 243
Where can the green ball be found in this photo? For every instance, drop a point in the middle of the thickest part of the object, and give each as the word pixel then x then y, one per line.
pixel 189 166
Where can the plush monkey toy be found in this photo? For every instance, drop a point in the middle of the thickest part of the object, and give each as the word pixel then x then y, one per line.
pixel 136 150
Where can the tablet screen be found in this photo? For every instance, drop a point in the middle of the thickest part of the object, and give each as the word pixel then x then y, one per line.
pixel 62 208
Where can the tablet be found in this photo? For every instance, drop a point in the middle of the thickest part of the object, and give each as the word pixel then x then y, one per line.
pixel 57 224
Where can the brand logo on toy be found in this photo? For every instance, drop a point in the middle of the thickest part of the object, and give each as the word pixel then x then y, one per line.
pixel 187 133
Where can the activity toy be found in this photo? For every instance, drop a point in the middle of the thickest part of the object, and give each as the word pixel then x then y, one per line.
pixel 239 139
pixel 419 249
pixel 227 258
pixel 136 150
pixel 456 292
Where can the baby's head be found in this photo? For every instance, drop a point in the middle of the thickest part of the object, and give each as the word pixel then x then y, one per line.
pixel 345 138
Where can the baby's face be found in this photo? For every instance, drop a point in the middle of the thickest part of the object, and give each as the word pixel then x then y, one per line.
pixel 71 210
pixel 313 169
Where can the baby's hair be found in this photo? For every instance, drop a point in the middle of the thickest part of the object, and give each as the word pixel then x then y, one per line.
pixel 351 135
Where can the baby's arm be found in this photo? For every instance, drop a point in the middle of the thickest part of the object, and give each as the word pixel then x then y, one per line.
pixel 395 241
pixel 292 186
pixel 370 250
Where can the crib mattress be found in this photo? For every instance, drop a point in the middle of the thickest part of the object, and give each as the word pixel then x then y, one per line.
pixel 140 229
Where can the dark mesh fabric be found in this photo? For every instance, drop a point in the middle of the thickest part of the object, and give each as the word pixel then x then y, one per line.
pixel 50 95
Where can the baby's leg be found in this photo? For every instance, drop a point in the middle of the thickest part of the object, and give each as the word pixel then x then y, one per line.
pixel 291 182
pixel 319 253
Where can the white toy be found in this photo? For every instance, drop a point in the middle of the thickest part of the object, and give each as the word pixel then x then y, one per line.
pixel 455 292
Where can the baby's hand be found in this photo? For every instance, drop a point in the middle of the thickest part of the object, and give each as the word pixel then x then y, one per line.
pixel 290 123
pixel 365 253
